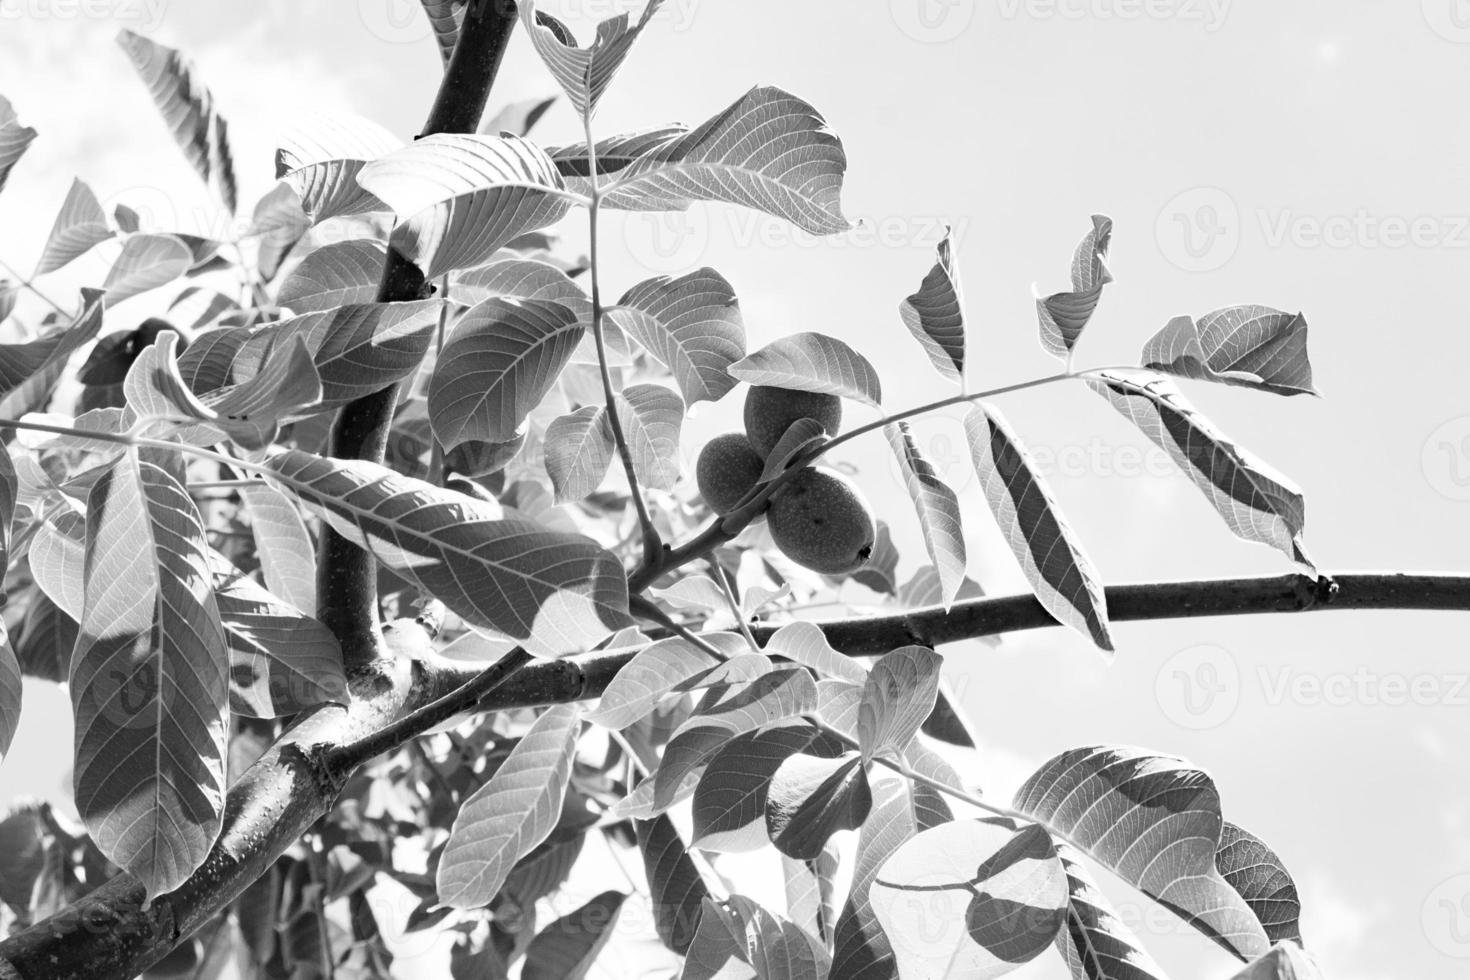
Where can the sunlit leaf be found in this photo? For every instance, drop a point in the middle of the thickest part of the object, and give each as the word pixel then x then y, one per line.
pixel 321 156
pixel 1254 870
pixel 338 274
pixel 971 898
pixel 1257 503
pixel 731 710
pixel 517 118
pixel 653 672
pixel 769 151
pixel 504 819
pixel 739 939
pixel 248 413
pixel 812 797
pixel 806 644
pixel 838 705
pixel 187 109
pixel 691 324
pixel 811 894
pixel 812 362
pixel 554 592
pixel 583 73
pixel 898 694
pixel 10 693
pixel 148 682
pixel 578 449
pixel 924 589
pixel 1250 346
pixel 1096 944
pixel 937 507
pixel 14 139
pixel 651 417
pixel 29 371
pixel 146 262
pixel 935 314
pixel 461 197
pixel 281 660
pixel 357 349
pixel 1285 961
pixel 445 17
pixel 502 358
pixel 1063 315
pixel 1044 545
pixel 863 951
pixel 278 222
pixel 1153 820
pixel 79 225
pixel 287 556
pixel 675 888
pixel 729 807
pixel 527 278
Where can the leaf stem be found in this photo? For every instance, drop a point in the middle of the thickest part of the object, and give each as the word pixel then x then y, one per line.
pixel 652 544
pixel 29 285
pixel 436 450
pixel 727 527
pixel 723 577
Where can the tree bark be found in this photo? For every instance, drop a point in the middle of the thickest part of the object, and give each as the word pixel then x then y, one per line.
pixel 347 579
pixel 109 935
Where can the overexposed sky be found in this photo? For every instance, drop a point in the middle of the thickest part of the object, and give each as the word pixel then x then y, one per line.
pixel 1304 155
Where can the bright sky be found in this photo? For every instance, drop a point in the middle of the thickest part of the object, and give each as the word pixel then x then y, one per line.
pixel 1273 153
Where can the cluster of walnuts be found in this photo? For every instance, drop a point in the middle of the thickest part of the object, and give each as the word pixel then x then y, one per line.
pixel 818 518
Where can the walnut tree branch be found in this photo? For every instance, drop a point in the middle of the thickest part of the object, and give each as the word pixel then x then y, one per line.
pixel 110 935
pixel 347 576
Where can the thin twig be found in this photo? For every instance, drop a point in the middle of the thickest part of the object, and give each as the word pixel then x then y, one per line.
pixel 25 282
pixel 652 543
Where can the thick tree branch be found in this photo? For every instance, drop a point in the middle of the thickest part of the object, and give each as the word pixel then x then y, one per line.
pixel 108 934
pixel 347 576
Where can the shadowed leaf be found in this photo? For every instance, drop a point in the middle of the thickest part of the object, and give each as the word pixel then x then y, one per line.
pixel 935 314
pixel 1153 820
pixel 1045 547
pixel 1250 346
